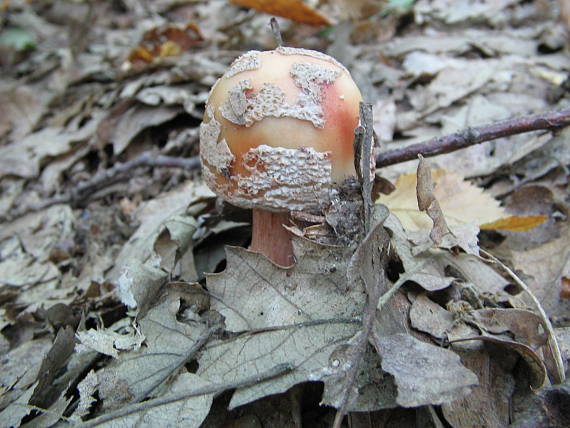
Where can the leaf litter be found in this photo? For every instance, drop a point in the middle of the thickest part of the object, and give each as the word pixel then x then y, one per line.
pixel 110 310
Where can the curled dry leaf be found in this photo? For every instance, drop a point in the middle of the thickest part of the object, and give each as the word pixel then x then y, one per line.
pixel 460 201
pixel 429 317
pixel 168 343
pixel 108 342
pixel 427 202
pixel 489 404
pixel 533 360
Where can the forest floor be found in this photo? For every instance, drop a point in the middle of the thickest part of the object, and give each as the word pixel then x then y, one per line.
pixel 109 311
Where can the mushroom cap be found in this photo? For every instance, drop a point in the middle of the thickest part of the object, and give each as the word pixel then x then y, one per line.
pixel 278 130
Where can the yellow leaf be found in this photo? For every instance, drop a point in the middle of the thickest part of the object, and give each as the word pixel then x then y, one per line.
pixel 460 201
pixel 516 224
pixel 294 10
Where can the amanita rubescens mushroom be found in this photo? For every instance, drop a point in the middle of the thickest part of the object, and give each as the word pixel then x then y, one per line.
pixel 277 136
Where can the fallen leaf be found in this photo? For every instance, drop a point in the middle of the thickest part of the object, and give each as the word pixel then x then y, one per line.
pixel 534 362
pixel 428 202
pixel 138 374
pixel 299 316
pixel 23 158
pixel 460 201
pixel 16 411
pixel 515 224
pixel 161 42
pixel 294 10
pixel 109 342
pixel 424 374
pixel 431 268
pixel 489 403
pixel 429 317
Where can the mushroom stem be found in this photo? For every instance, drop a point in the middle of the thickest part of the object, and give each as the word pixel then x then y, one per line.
pixel 270 238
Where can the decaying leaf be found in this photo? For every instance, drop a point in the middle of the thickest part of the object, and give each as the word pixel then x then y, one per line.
pixel 295 10
pixel 109 342
pixel 431 268
pixel 163 41
pixel 161 241
pixel 424 373
pixel 427 202
pixel 299 316
pixel 315 289
pixel 139 374
pixel 429 317
pixel 489 402
pixel 534 362
pixel 13 414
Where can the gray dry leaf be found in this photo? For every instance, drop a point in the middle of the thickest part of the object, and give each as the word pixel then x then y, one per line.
pixel 189 413
pixel 23 158
pixel 424 374
pixel 429 317
pixel 13 414
pixel 152 370
pixel 298 316
pixel 108 342
pixel 145 260
pixel 489 403
pixel 137 119
pixel 431 267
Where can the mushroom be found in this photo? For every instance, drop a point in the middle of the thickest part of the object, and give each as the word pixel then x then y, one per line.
pixel 277 137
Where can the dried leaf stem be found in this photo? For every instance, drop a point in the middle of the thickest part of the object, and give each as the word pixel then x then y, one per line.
pixel 559 375
pixel 549 121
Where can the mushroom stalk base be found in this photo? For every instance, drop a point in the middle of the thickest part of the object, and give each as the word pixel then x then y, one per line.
pixel 270 238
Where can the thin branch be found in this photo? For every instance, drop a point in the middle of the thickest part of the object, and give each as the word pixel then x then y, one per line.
pixel 119 172
pixel 376 301
pixel 278 370
pixel 549 121
pixel 197 346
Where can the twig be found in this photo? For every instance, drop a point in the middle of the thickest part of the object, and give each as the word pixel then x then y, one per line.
pixel 276 31
pixel 278 370
pixel 550 121
pixel 375 303
pixel 367 324
pixel 119 172
pixel 204 337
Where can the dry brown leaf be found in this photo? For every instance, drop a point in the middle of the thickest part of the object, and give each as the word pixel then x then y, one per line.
pixel 460 201
pixel 295 10
pixel 161 42
pixel 565 288
pixel 428 202
pixel 515 223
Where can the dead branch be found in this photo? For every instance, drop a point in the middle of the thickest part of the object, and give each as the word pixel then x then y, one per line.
pixel 278 370
pixel 549 121
pixel 119 172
